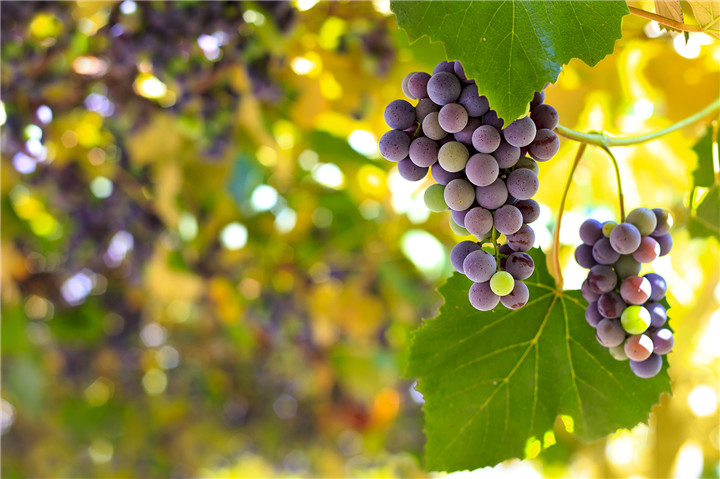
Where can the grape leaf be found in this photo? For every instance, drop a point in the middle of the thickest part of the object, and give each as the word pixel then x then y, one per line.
pixel 706 220
pixel 513 48
pixel 703 175
pixel 669 9
pixel 707 14
pixel 494 380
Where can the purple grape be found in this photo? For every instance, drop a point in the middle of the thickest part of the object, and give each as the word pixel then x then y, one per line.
pixel 442 176
pixel 459 216
pixel 527 163
pixel 517 298
pixel 460 72
pixel 520 265
pixel 482 169
pixel 452 117
pixel 507 219
pixel 424 107
pixel 663 221
pixel 506 155
pixel 610 305
pixel 625 238
pixel 520 132
pixel 658 314
pixel 544 117
pixel 479 266
pixel 626 266
pixel 590 231
pixel 545 145
pixel 460 252
pixel 478 221
pixel 635 290
pixel 394 145
pixel 431 127
pixel 584 256
pixel 657 285
pixel 410 171
pixel 523 240
pixel 481 296
pixel 648 250
pixel 459 194
pixel 464 136
pixel 530 210
pixel 443 88
pixel 475 105
pixel 522 184
pixel 417 84
pixel 423 151
pixel 603 253
pixel 537 100
pixel 601 279
pixel 486 139
pixel 492 196
pixel 399 115
pixel 592 316
pixel 666 243
pixel 609 332
pixel 491 118
pixel 648 368
pixel 587 293
pixel 448 67
pixel 663 341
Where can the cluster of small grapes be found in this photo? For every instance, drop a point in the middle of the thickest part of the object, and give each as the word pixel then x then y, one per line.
pixel 482 172
pixel 624 307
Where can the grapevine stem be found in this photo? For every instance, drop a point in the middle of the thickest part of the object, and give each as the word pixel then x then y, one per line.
pixel 601 139
pixel 556 235
pixel 621 196
pixel 495 245
pixel 666 21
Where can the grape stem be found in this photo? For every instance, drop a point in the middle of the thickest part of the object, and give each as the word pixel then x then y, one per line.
pixel 667 21
pixel 602 139
pixel 495 246
pixel 621 196
pixel 556 234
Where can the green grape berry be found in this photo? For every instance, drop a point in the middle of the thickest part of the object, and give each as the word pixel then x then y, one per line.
pixel 435 198
pixel 457 229
pixel 618 352
pixel 635 319
pixel 607 227
pixel 502 283
pixel 643 219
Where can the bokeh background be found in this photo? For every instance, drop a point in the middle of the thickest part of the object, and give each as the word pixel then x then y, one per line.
pixel 209 271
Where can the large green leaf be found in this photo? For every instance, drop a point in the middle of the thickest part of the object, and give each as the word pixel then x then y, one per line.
pixel 493 381
pixel 513 48
pixel 705 221
pixel 703 174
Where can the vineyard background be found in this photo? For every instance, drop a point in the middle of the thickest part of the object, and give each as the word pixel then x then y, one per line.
pixel 208 269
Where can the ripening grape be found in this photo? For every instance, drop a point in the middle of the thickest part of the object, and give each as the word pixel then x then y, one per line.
pixel 663 341
pixel 460 72
pixel 602 279
pixel 545 145
pixel 443 88
pixel 658 314
pixel 425 107
pixel 607 228
pixel 502 283
pixel 618 352
pixel 522 184
pixel 431 126
pixel 627 266
pixel 521 132
pixel 482 297
pixel 435 198
pixel 648 250
pixel 474 105
pixel 417 85
pixel 530 210
pixel 491 118
pixel 486 139
pixel 590 231
pixel 609 332
pixel 523 240
pixel 444 66
pixel 544 117
pixel 456 228
pixel 423 151
pixel 666 243
pixel 442 176
pixel 538 99
pixel 452 117
pixel 635 319
pixel 584 256
pixel 643 219
pixel 410 171
pixel 592 314
pixel 520 265
pixel 453 156
pixel 517 298
pixel 638 347
pixel 459 216
pixel 658 286
pixel 664 221
pixel 625 238
pixel 492 196
pixel 648 368
pixel 464 136
pixel 479 266
pixel 587 292
pixel 460 252
pixel 610 305
pixel 479 221
pixel 635 290
pixel 506 155
pixel 482 169
pixel 507 219
pixel 394 145
pixel 527 163
pixel 399 115
pixel 405 88
pixel 459 194
pixel 603 253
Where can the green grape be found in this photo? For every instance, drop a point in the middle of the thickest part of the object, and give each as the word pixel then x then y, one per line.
pixel 435 198
pixel 618 352
pixel 453 156
pixel 502 283
pixel 635 319
pixel 643 219
pixel 457 229
pixel 607 227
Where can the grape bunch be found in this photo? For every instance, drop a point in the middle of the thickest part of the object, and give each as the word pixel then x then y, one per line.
pixel 624 307
pixel 486 175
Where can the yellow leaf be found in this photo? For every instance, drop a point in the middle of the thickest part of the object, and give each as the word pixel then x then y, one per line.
pixel 707 14
pixel 669 9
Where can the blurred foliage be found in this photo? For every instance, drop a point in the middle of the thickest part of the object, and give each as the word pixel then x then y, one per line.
pixel 208 270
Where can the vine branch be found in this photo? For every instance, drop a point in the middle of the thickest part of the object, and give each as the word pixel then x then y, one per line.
pixel 556 233
pixel 666 21
pixel 603 140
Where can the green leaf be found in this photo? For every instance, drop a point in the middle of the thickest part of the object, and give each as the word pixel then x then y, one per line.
pixel 494 381
pixel 706 220
pixel 703 175
pixel 513 48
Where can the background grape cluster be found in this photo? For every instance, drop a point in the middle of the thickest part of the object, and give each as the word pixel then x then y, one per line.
pixel 623 307
pixel 486 175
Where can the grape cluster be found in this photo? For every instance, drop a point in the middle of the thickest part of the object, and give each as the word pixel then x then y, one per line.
pixel 624 307
pixel 486 175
